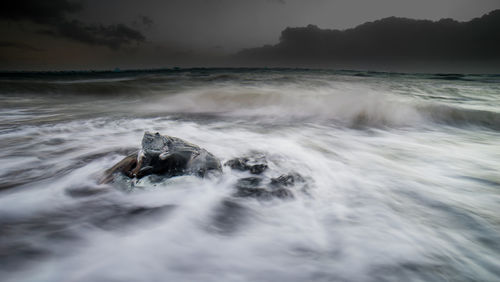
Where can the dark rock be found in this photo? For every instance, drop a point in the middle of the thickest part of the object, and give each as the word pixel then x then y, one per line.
pixel 282 193
pixel 252 187
pixel 287 180
pixel 255 164
pixel 124 166
pixel 258 168
pixel 239 164
pixel 260 193
pixel 263 193
pixel 262 187
pixel 249 182
pixel 165 156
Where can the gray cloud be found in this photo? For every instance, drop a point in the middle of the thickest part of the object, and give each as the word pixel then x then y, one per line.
pixel 19 45
pixel 79 34
pixel 42 12
pixel 237 24
pixel 148 22
pixel 112 36
pixel 277 1
pixel 53 15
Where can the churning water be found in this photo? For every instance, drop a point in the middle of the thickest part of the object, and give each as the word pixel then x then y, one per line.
pixel 402 172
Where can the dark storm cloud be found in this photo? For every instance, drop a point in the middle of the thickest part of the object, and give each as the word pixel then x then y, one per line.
pixel 277 1
pixel 53 15
pixel 143 22
pixel 19 45
pixel 43 12
pixel 238 24
pixel 386 41
pixel 147 21
pixel 76 34
pixel 112 36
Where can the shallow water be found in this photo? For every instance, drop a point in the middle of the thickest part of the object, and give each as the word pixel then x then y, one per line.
pixel 402 175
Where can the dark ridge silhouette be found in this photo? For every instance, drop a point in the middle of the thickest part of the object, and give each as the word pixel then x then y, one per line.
pixel 52 15
pixel 389 41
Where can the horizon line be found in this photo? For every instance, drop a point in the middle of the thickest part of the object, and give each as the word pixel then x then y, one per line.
pixel 185 69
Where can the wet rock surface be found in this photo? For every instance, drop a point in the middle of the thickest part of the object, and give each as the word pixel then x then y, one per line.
pixel 254 164
pixel 261 186
pixel 266 189
pixel 286 180
pixel 165 156
pixel 162 157
pixel 233 212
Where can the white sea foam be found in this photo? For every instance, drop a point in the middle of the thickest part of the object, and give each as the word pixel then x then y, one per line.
pixel 394 193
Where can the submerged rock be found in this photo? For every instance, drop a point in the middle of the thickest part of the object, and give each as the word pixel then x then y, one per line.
pixel 286 180
pixel 255 164
pixel 265 189
pixel 260 186
pixel 165 156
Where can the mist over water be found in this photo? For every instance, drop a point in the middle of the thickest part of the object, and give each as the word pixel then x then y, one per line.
pixel 402 175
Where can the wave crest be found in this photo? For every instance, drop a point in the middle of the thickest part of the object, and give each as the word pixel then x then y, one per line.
pixel 351 107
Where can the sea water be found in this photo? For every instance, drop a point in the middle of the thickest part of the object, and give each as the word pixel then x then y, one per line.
pixel 402 173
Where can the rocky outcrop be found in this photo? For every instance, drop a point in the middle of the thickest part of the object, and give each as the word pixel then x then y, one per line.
pixel 165 156
pixel 260 186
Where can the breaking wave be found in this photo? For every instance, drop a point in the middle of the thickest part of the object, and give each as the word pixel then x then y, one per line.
pixel 401 177
pixel 351 107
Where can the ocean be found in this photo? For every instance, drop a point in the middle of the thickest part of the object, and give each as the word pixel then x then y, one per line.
pixel 401 171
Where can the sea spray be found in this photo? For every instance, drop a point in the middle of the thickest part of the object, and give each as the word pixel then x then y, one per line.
pixel 402 174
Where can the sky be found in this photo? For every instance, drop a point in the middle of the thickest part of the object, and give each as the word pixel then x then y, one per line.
pixel 94 34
